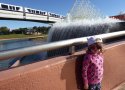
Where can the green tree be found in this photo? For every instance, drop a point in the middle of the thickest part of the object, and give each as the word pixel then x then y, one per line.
pixel 4 30
pixel 23 30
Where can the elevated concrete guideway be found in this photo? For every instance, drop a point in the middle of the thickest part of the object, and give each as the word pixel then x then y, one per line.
pixel 31 20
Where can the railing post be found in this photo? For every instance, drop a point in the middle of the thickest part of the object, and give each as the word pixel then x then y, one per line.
pixel 71 49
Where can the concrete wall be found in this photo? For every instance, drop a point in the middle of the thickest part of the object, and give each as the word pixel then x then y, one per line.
pixel 114 65
pixel 64 73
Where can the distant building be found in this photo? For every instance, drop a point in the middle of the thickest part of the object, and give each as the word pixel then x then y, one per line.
pixel 29 32
pixel 32 32
pixel 120 16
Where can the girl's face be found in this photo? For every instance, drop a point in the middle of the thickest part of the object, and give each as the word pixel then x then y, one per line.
pixel 94 48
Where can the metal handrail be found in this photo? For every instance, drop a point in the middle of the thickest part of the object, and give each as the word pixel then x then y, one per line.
pixel 54 45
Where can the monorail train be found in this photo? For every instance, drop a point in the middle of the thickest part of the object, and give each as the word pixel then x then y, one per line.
pixel 19 12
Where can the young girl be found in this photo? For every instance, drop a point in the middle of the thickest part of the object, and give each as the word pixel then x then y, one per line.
pixel 92 70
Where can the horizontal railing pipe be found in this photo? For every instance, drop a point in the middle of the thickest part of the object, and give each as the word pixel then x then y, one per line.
pixel 54 45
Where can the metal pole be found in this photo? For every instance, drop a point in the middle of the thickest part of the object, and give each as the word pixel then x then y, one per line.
pixel 55 45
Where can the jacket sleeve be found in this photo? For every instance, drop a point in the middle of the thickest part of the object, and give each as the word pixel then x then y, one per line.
pixel 85 69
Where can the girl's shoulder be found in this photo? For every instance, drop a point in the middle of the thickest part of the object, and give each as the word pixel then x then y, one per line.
pixel 90 55
pixel 87 56
pixel 101 55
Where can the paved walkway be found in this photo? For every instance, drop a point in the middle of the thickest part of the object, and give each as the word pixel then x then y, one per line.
pixel 120 87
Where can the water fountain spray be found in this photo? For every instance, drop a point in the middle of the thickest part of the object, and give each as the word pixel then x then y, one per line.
pixel 82 20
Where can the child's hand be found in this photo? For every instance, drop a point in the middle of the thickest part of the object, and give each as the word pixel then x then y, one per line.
pixel 86 87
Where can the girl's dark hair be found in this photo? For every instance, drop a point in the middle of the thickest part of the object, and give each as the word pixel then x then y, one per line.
pixel 98 45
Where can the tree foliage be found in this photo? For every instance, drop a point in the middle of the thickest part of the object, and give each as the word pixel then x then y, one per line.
pixel 42 30
pixel 4 30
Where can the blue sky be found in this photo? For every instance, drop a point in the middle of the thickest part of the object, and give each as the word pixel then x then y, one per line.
pixel 107 7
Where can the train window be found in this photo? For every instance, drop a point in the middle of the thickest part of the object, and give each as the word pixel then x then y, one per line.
pixel 55 16
pixel 58 16
pixel 50 14
pixel 33 11
pixel 42 13
pixel 29 10
pixel 37 12
pixel 4 6
pixel 13 8
pixel 17 8
pixel 63 17
pixel 10 7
